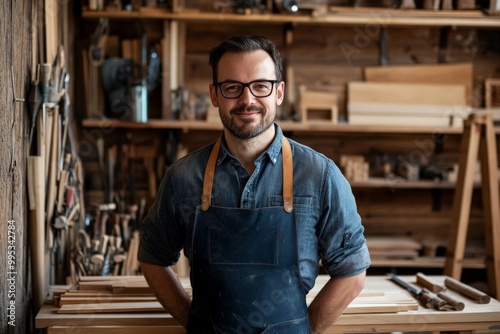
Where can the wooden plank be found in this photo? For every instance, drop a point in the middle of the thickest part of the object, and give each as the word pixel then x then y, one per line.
pixel 393 254
pixel 474 316
pixel 166 69
pixel 48 316
pixel 51 29
pixel 397 104
pixel 102 299
pixel 388 242
pixel 117 286
pixel 103 294
pixel 153 306
pixel 390 109
pixel 414 121
pixel 119 329
pixel 174 54
pixel 377 306
pixel 180 49
pixel 428 283
pixel 112 278
pixel 460 73
pixel 406 93
pixel 365 10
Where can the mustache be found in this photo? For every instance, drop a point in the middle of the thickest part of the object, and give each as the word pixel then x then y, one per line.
pixel 246 109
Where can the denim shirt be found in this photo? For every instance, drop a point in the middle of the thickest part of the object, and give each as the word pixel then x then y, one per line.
pixel 328 225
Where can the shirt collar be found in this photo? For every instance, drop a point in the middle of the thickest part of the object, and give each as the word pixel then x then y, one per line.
pixel 273 151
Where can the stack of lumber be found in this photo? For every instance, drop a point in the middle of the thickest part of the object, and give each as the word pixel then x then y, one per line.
pixel 415 95
pixel 354 167
pixel 125 294
pixel 393 247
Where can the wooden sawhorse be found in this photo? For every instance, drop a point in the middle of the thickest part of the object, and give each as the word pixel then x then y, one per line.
pixel 478 140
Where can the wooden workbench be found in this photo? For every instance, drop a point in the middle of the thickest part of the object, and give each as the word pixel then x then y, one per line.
pixel 475 317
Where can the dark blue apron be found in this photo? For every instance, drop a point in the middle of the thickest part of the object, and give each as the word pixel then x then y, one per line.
pixel 244 265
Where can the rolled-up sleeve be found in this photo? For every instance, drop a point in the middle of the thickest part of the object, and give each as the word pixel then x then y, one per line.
pixel 342 243
pixel 161 239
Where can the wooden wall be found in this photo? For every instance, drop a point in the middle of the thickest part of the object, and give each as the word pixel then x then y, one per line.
pixel 326 58
pixel 15 43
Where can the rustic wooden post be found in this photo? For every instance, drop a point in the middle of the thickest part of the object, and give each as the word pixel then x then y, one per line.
pixel 16 25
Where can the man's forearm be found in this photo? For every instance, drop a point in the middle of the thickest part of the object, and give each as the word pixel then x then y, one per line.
pixel 332 300
pixel 168 290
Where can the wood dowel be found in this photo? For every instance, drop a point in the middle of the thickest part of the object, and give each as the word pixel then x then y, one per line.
pixel 428 283
pixel 467 290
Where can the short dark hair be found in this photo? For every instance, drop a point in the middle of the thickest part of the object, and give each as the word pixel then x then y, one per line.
pixel 245 43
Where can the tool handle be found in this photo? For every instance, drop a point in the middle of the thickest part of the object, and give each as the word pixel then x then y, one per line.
pixel 467 290
pixel 435 302
pixel 45 72
pixel 457 305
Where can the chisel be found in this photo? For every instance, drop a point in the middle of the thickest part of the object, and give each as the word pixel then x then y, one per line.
pixel 425 299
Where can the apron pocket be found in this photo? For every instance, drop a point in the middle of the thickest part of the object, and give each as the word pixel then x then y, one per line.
pixel 256 244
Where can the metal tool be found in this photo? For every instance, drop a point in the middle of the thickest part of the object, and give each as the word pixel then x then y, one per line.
pixel 35 101
pixel 423 297
pixel 45 72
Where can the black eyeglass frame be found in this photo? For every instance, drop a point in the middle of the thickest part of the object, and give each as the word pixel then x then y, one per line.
pixel 219 84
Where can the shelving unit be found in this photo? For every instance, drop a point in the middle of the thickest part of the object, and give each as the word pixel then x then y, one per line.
pixel 286 126
pixel 336 16
pixel 173 57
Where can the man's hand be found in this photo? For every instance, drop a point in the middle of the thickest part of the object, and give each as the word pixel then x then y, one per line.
pixel 332 300
pixel 168 290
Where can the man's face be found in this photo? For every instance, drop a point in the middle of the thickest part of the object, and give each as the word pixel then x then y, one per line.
pixel 247 116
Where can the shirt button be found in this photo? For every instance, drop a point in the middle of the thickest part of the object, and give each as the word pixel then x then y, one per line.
pixel 274 160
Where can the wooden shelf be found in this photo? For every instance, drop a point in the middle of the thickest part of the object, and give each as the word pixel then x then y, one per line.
pixel 426 262
pixel 336 16
pixel 401 184
pixel 286 126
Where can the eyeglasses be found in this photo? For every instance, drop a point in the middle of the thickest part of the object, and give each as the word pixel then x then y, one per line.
pixel 234 89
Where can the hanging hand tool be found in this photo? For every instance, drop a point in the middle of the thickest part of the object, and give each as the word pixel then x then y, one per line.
pixel 106 267
pixel 103 169
pixel 36 184
pixel 65 121
pixel 96 58
pixel 45 71
pixel 35 101
pixel 426 299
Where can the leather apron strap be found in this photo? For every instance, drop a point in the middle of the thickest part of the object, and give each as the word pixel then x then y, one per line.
pixel 208 179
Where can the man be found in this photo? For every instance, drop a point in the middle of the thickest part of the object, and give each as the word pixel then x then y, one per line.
pixel 255 213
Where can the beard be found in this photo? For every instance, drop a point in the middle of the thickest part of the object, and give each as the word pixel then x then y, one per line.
pixel 245 131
